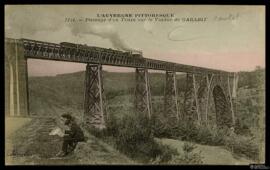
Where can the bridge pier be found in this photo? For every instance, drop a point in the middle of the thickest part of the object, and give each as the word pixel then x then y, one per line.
pixel 209 79
pixel 143 103
pixel 231 95
pixel 191 103
pixel 94 109
pixel 170 98
pixel 16 90
pixel 220 101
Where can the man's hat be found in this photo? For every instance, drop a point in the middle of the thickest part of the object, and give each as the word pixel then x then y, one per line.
pixel 67 116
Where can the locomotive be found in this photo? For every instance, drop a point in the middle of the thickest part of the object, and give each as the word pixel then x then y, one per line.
pixel 78 46
pixel 85 47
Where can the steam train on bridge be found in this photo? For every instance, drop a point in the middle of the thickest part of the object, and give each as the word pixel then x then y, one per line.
pixel 64 50
pixel 78 47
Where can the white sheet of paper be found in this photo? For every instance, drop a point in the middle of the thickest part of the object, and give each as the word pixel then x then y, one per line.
pixel 57 131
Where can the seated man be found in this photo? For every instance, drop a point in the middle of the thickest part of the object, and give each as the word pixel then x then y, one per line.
pixel 72 136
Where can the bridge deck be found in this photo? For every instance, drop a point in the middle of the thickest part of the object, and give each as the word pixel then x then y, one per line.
pixel 97 55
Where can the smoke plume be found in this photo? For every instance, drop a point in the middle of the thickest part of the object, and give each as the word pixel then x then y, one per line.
pixel 106 32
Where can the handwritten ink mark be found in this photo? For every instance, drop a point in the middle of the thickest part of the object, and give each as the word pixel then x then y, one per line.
pixel 186 39
pixel 229 17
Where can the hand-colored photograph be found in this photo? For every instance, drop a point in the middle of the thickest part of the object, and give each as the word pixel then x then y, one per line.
pixel 134 84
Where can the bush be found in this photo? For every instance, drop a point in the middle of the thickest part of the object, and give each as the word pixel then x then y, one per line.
pixel 135 139
pixel 187 157
pixel 220 136
pixel 133 136
pixel 210 135
pixel 242 145
pixel 166 154
pixel 189 131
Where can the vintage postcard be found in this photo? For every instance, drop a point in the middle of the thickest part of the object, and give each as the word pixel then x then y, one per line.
pixel 134 84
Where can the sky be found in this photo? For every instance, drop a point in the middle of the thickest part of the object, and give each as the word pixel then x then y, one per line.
pixel 231 38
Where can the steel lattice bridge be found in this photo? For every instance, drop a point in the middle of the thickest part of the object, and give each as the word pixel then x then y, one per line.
pixel 205 88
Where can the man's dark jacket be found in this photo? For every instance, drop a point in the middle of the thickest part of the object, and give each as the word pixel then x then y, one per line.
pixel 75 133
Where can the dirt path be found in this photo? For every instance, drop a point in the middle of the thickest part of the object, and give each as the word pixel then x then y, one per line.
pixel 212 155
pixel 32 145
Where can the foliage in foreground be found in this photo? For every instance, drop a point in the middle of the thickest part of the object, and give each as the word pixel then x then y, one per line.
pixel 188 131
pixel 133 135
pixel 187 157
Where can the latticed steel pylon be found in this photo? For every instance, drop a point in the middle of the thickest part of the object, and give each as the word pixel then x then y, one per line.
pixel 170 97
pixel 201 85
pixel 222 108
pixel 143 103
pixel 94 111
pixel 191 103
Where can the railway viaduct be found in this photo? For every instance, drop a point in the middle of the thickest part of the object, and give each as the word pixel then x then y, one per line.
pixel 205 87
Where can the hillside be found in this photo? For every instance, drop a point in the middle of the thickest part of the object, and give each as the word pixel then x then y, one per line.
pixel 61 93
pixel 51 96
pixel 66 92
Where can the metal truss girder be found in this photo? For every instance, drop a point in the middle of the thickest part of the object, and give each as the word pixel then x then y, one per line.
pixel 97 55
pixel 143 103
pixel 94 108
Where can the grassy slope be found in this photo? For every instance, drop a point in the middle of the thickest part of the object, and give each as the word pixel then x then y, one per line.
pixel 32 145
